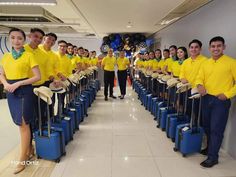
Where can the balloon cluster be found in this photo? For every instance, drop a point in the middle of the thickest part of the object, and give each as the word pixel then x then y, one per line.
pixel 128 42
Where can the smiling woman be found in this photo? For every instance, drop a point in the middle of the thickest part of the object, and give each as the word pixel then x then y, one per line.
pixel 15 67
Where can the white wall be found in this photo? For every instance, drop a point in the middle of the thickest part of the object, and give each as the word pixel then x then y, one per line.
pixel 88 43
pixel 216 18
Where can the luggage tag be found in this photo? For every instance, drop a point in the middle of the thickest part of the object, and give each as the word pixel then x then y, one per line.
pixel 67 118
pixel 72 109
pixel 185 129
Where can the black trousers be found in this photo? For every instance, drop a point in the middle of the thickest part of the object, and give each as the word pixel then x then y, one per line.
pixel 108 82
pixel 122 78
pixel 1 91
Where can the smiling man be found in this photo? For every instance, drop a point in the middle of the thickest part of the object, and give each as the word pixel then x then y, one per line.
pixel 216 83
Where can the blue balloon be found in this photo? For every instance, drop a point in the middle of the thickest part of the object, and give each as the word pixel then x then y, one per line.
pixel 114 46
pixel 117 42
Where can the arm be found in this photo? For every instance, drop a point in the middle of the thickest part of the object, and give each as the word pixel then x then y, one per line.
pixel 182 74
pixel 200 81
pixel 232 92
pixel 12 87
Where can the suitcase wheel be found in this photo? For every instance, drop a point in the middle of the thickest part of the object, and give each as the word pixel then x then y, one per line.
pixel 173 140
pixel 64 154
pixel 167 136
pixel 58 160
pixel 175 149
pixel 184 155
pixel 158 126
pixel 86 115
pixel 38 157
pixel 163 129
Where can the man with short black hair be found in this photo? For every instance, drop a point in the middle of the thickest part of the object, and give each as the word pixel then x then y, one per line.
pixel 108 65
pixel 216 83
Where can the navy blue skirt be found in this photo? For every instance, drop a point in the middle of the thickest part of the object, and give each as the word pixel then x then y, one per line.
pixel 20 103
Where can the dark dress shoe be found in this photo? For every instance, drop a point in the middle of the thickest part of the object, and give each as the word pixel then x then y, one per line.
pixel 112 96
pixel 204 151
pixel 106 99
pixel 121 97
pixel 208 163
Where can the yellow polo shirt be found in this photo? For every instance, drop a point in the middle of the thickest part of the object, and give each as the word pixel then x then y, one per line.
pixel 190 68
pixel 168 63
pixel 52 63
pixel 109 63
pixel 94 61
pixel 64 65
pixel 161 64
pixel 42 60
pixel 74 61
pixel 122 63
pixel 85 60
pixel 218 76
pixel 155 64
pixel 19 68
pixel 175 68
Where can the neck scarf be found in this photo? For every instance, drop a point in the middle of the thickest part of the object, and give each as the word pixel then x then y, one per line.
pixel 158 59
pixel 180 62
pixel 69 56
pixel 16 54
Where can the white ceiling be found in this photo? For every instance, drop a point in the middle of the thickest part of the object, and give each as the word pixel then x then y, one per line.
pixel 101 17
pixel 112 16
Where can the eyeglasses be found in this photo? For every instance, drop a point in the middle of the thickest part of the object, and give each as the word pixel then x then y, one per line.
pixel 63 46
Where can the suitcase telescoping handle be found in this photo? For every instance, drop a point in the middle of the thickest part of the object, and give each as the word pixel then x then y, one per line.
pixel 199 112
pixel 193 115
pixel 60 106
pixel 40 117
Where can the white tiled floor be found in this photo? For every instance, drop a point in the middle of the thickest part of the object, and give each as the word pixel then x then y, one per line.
pixel 9 133
pixel 120 139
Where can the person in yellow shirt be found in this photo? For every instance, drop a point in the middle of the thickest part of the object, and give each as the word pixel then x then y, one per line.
pixel 169 61
pixel 150 60
pixel 75 50
pixel 182 55
pixel 49 41
pixel 108 65
pixel 94 58
pixel 64 66
pixel 14 74
pixel 85 58
pixel 161 64
pixel 191 66
pixel 35 38
pixel 216 83
pixel 74 59
pixel 156 61
pixel 123 64
pixel 189 71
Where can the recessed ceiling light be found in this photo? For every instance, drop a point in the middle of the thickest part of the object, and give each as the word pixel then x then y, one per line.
pixel 129 25
pixel 166 22
pixel 28 2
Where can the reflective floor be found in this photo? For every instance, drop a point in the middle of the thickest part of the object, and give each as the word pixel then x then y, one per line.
pixel 120 139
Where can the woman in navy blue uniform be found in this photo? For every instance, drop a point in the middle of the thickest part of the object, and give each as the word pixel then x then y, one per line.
pixel 16 67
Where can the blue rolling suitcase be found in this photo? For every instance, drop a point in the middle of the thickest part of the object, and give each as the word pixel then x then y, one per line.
pixel 48 142
pixel 189 136
pixel 164 111
pixel 63 122
pixel 173 120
